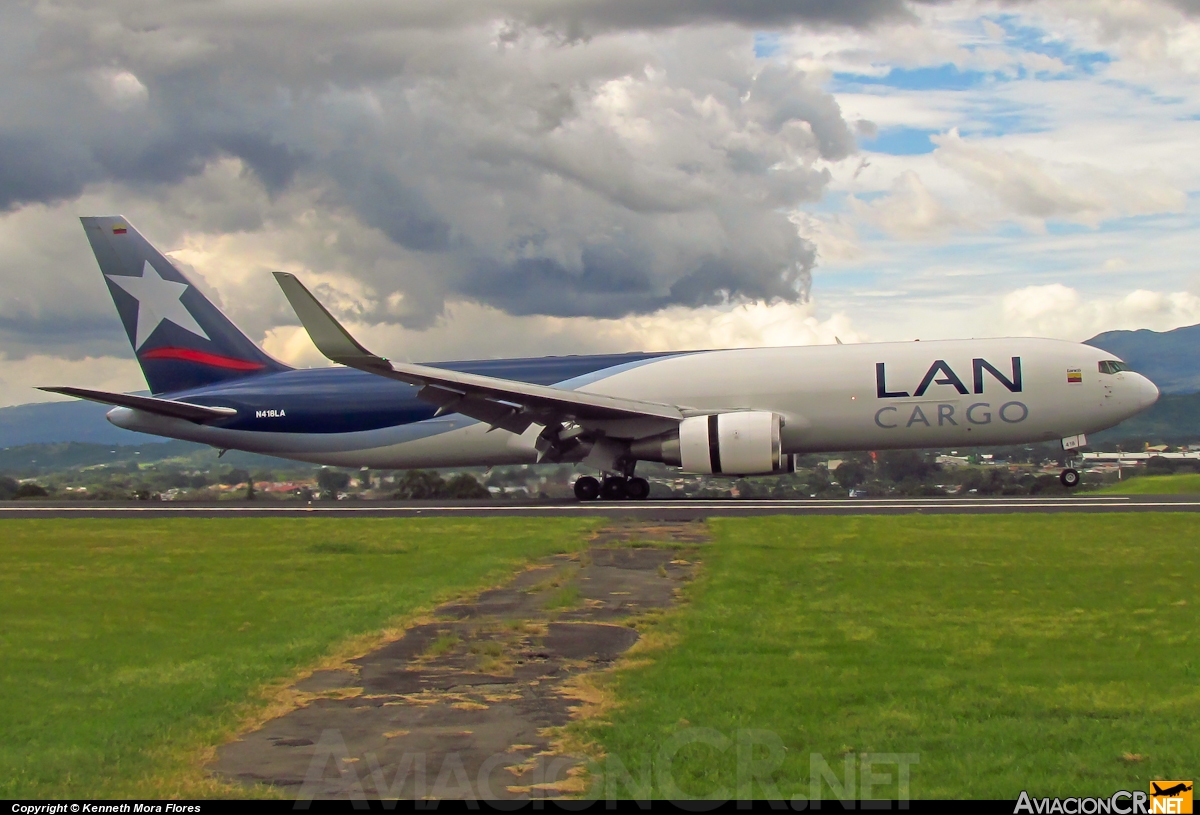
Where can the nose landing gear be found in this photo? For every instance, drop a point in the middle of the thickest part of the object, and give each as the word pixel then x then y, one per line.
pixel 614 488
pixel 1069 477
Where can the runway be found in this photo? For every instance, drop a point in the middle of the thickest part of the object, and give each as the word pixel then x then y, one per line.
pixel 662 510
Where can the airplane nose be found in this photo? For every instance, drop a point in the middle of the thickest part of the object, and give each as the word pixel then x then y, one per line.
pixel 1145 393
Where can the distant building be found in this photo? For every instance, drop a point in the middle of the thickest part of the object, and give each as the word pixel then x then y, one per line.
pixel 1139 458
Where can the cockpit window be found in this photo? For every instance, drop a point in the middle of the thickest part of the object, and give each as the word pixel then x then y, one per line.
pixel 1112 366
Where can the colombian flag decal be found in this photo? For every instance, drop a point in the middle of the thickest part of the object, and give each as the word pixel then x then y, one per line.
pixel 1074 376
pixel 120 230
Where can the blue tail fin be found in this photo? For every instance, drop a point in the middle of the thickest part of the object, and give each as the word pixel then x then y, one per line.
pixel 181 340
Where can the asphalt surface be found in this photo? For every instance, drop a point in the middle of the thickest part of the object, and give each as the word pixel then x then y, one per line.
pixel 476 687
pixel 674 510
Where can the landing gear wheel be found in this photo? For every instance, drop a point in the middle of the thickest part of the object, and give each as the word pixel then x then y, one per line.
pixel 1069 477
pixel 638 489
pixel 587 488
pixel 613 489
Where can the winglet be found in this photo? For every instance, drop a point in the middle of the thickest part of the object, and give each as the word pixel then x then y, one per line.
pixel 503 403
pixel 327 333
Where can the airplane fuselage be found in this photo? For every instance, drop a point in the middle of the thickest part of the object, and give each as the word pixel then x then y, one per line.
pixel 871 396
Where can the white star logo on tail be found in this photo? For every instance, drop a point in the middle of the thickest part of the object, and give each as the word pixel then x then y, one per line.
pixel 158 300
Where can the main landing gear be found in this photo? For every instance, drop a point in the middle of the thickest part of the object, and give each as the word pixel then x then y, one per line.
pixel 1069 477
pixel 613 488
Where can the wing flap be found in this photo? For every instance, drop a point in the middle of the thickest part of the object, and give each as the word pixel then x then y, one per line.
pixel 502 403
pixel 150 404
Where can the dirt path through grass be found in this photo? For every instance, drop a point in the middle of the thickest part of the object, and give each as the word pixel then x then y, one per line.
pixel 465 703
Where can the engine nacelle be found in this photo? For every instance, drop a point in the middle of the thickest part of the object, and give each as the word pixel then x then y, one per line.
pixel 742 443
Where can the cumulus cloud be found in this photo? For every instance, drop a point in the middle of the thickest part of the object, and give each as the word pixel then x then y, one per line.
pixel 835 238
pixel 541 176
pixel 1056 310
pixel 118 89
pixel 19 378
pixel 537 157
pixel 1153 39
pixel 909 211
pixel 1040 190
pixel 167 36
pixel 987 184
pixel 592 15
pixel 52 297
pixel 676 328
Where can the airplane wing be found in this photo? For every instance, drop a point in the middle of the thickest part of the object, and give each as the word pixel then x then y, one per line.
pixel 502 403
pixel 150 404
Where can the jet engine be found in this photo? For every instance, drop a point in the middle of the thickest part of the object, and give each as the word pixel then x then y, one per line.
pixel 740 443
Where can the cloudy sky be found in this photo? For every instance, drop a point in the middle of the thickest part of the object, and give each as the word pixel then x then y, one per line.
pixel 527 177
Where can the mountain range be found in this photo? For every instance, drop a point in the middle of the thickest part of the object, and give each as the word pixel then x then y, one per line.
pixel 1169 358
pixel 51 422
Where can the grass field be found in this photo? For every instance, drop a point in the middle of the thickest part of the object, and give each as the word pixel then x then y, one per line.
pixel 128 647
pixel 1182 484
pixel 1057 654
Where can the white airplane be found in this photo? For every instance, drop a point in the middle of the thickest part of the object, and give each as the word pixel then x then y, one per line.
pixel 738 412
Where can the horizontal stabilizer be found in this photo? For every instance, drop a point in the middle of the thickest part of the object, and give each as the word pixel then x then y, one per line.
pixel 502 403
pixel 163 407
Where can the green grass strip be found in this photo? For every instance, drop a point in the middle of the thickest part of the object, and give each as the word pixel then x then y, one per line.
pixel 1054 653
pixel 128 646
pixel 1182 484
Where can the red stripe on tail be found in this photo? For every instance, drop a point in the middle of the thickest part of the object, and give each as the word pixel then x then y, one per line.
pixel 216 360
